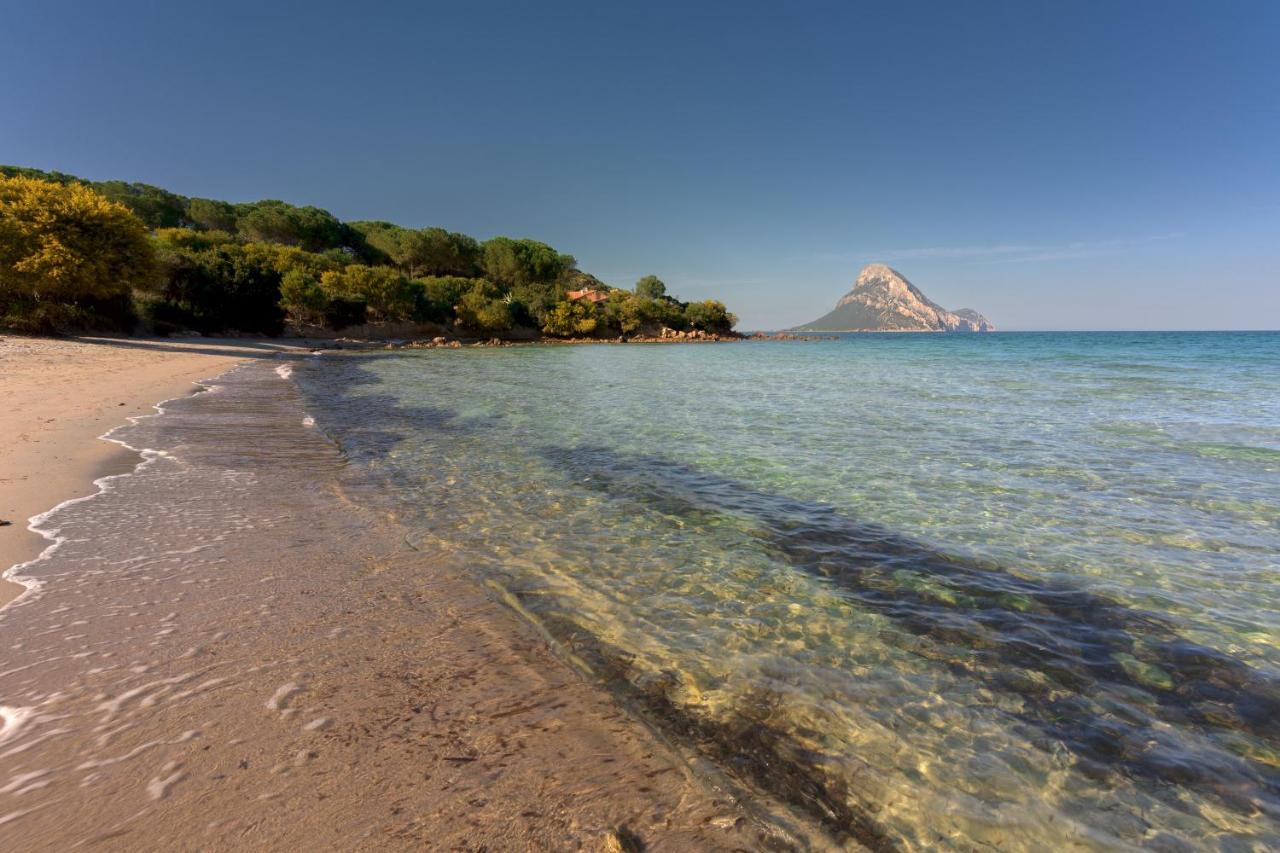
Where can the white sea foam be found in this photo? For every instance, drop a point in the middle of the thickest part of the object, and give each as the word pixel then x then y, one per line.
pixel 36 524
pixel 280 699
pixel 158 787
pixel 22 782
pixel 284 371
pixel 12 720
pixel 316 725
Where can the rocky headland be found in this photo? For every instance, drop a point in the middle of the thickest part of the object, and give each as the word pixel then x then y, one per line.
pixel 882 300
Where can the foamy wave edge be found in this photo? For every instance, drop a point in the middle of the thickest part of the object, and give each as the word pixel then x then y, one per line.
pixel 34 586
pixel 285 371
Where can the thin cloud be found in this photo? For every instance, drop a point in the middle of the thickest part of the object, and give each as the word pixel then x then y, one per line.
pixel 1091 249
pixel 1003 253
pixel 956 252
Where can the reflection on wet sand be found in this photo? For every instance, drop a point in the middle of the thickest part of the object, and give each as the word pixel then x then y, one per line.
pixel 225 653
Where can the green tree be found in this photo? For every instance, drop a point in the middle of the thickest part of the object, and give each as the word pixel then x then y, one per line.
pixel 273 221
pixel 440 297
pixel 211 215
pixel 427 252
pixel 386 239
pixel 65 243
pixel 435 251
pixel 223 267
pixel 221 288
pixel 157 208
pixel 651 287
pixel 302 296
pixel 511 263
pixel 286 258
pixel 40 175
pixel 184 239
pixel 570 319
pixel 389 295
pixel 626 312
pixel 709 316
pixel 484 309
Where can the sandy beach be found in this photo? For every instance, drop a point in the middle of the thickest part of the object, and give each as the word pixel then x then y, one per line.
pixel 227 651
pixel 61 394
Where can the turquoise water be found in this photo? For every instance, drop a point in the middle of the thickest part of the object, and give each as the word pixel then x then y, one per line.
pixel 1010 590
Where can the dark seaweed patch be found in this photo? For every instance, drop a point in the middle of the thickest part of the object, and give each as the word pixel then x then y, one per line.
pixel 1058 647
pixel 1076 659
pixel 748 742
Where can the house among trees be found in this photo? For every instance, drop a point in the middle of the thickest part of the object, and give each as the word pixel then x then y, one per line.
pixel 590 294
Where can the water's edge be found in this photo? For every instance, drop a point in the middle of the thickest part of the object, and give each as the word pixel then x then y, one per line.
pixel 38 523
pixel 832 659
pixel 226 571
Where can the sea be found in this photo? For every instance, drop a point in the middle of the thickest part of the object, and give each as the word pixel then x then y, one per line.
pixel 1012 591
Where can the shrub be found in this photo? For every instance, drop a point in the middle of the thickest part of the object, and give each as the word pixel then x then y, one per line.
pixel 386 292
pixel 651 287
pixel 302 296
pixel 112 314
pixel 569 319
pixel 211 215
pixel 226 287
pixel 709 316
pixel 66 245
pixel 483 308
pixel 511 263
pixel 272 221
pixel 439 297
pixel 184 239
pixel 340 313
pixel 286 258
pixel 157 208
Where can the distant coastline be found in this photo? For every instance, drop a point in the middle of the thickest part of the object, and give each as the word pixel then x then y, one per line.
pixel 136 257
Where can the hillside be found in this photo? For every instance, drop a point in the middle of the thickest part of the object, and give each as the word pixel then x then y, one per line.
pixel 134 256
pixel 882 300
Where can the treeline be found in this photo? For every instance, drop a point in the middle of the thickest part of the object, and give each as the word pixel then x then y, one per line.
pixel 81 254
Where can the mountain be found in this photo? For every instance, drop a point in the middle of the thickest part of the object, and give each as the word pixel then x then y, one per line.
pixel 882 300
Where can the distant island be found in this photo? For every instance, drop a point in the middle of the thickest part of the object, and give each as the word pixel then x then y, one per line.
pixel 882 300
pixel 81 255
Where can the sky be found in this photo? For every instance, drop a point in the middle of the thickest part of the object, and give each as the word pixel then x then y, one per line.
pixel 1054 165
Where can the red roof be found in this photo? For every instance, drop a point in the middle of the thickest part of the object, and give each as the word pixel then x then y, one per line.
pixel 589 294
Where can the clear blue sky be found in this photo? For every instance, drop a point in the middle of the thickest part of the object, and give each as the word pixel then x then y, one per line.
pixel 1052 164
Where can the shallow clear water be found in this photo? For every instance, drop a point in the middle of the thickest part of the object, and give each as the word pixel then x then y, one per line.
pixel 1012 590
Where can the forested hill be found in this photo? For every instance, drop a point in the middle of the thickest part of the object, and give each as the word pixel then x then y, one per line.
pixel 133 255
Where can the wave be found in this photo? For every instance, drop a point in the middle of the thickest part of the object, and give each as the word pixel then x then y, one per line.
pixel 39 523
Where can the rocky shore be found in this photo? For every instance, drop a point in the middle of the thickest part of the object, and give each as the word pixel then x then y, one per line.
pixel 666 336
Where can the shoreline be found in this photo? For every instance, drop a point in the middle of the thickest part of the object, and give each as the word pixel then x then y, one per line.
pixel 49 465
pixel 336 637
pixel 66 395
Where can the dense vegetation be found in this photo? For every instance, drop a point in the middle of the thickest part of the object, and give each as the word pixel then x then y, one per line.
pixel 112 255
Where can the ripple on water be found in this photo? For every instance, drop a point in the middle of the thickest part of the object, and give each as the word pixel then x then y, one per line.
pixel 1015 590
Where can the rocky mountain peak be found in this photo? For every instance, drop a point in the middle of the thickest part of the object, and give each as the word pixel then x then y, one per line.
pixel 883 300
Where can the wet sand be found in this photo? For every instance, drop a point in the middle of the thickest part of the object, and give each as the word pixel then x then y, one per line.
pixel 226 651
pixel 59 395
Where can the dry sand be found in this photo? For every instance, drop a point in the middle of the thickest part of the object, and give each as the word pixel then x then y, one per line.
pixel 228 651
